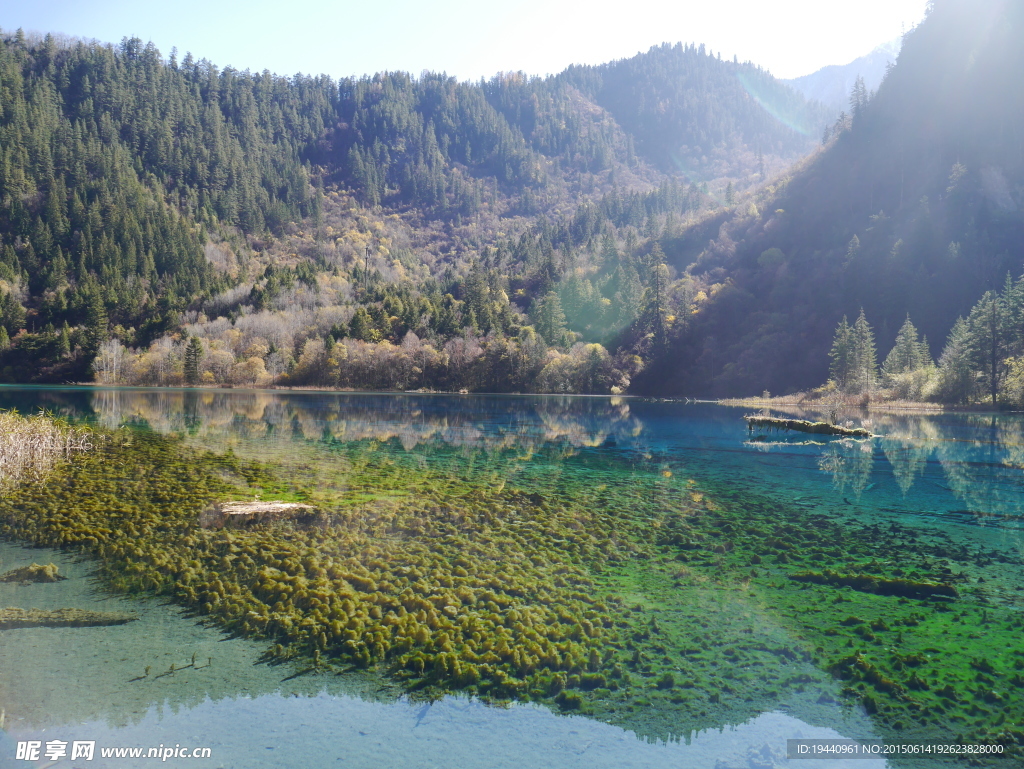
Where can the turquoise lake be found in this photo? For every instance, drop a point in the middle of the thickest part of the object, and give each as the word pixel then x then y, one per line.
pixel 955 480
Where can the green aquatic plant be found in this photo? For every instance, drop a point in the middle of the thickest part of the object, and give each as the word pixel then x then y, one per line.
pixel 565 577
pixel 33 573
pixel 347 588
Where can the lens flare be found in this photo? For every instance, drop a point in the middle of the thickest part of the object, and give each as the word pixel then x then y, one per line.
pixel 774 101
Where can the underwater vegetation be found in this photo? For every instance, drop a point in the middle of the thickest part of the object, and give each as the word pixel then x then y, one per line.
pixel 33 573
pixel 629 593
pixel 422 585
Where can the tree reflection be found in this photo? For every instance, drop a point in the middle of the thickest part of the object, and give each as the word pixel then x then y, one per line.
pixel 849 463
pixel 480 423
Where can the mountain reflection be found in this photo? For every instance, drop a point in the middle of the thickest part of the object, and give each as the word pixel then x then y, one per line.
pixel 412 420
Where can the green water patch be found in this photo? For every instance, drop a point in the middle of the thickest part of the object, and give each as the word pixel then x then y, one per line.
pixel 624 590
pixel 912 628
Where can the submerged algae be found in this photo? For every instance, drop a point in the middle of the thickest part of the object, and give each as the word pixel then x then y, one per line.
pixel 462 582
pixel 420 585
pixel 32 573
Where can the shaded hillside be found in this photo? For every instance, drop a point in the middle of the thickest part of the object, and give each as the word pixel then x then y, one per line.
pixel 832 85
pixel 914 206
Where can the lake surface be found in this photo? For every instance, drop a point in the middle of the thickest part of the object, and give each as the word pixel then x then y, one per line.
pixel 959 477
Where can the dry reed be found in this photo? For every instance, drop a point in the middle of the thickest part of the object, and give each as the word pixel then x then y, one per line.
pixel 30 446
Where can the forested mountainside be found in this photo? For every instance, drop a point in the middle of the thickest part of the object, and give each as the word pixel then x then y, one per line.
pixel 913 207
pixel 832 85
pixel 165 221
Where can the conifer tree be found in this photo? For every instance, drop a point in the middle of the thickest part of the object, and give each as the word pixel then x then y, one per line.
pixel 548 319
pixel 96 322
pixel 64 341
pixel 193 356
pixel 907 353
pixel 865 372
pixel 841 355
pixel 361 327
pixel 957 378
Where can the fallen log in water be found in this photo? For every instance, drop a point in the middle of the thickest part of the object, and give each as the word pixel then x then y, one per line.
pixel 15 618
pixel 805 426
pixel 868 583
pixel 248 513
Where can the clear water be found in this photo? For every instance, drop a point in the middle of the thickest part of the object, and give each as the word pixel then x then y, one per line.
pixel 961 474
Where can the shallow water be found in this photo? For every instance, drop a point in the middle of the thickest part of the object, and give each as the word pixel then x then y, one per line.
pixel 87 684
pixel 957 474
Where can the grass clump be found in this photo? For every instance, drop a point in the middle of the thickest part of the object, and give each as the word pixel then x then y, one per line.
pixel 30 446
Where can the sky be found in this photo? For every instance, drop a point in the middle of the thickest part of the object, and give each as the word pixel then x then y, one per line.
pixel 471 39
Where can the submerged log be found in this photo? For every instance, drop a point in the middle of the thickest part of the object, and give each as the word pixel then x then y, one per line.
pixel 868 583
pixel 16 618
pixel 806 426
pixel 250 513
pixel 33 573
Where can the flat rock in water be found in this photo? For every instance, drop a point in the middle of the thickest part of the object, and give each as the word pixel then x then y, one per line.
pixel 16 618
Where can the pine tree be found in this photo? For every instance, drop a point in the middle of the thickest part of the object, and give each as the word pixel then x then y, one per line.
pixel 362 327
pixel 96 322
pixel 858 97
pixel 906 354
pixel 865 371
pixel 957 378
pixel 64 341
pixel 548 319
pixel 841 367
pixel 654 312
pixel 193 356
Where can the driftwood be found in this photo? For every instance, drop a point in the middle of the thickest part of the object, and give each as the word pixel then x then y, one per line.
pixel 805 426
pixel 249 513
pixel 17 618
pixel 33 573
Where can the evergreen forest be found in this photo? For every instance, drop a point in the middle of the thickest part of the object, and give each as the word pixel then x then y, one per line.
pixel 674 223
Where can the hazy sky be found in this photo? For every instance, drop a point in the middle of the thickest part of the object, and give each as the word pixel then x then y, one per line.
pixel 475 39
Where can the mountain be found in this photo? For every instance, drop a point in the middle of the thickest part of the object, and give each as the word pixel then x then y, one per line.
pixel 166 221
pixel 915 206
pixel 689 112
pixel 831 85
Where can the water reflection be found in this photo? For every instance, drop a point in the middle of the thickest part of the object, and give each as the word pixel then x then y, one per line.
pixel 84 684
pixel 413 420
pixel 975 459
pixel 323 729
pixel 849 463
pixel 958 466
